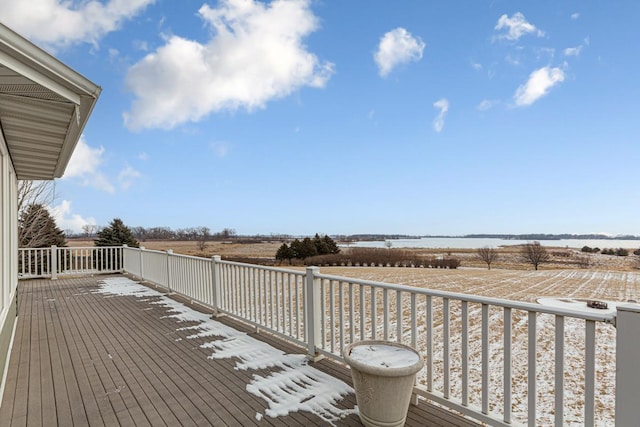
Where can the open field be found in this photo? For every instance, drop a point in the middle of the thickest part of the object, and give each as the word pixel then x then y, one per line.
pixel 561 258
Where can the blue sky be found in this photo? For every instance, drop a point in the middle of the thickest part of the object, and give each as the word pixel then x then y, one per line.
pixel 340 117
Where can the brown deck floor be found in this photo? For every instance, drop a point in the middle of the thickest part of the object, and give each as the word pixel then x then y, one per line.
pixel 81 358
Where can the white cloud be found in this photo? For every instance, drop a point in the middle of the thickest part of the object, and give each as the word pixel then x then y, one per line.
pixel 397 47
pixel 443 106
pixel 575 16
pixel 127 176
pixel 539 84
pixel 486 104
pixel 476 66
pixel 573 51
pixel 63 22
pixel 256 54
pixel 66 220
pixel 516 26
pixel 143 156
pixel 85 165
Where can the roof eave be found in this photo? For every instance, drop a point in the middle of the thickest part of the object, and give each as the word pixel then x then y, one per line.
pixel 25 58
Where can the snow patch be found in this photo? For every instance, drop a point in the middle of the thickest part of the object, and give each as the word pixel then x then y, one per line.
pixel 292 386
pixel 578 304
pixel 384 355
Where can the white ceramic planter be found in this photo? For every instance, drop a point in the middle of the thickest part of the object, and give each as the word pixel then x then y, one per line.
pixel 383 377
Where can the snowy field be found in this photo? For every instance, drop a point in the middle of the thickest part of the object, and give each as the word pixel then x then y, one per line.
pixel 546 287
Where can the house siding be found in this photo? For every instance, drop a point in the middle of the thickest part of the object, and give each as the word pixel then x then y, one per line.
pixel 8 254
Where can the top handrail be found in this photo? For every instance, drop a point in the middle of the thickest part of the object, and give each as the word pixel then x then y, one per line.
pixel 262 267
pixel 499 302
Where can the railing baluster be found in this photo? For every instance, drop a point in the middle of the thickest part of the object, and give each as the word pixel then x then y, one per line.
pixel 341 314
pixel 507 365
pixel 256 298
pixel 261 288
pixel 332 316
pixel 399 316
pixel 464 344
pixel 414 323
pixel 531 381
pixel 285 303
pixel 323 308
pixel 446 354
pixel 374 314
pixel 236 290
pixel 559 375
pixel 429 315
pixel 485 359
pixel 298 314
pixel 385 313
pixel 589 373
pixel 351 313
pixel 361 293
pixel 271 299
pixel 291 305
pixel 277 296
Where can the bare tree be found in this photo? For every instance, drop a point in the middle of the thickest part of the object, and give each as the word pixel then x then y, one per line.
pixel 33 196
pixel 203 234
pixel 89 230
pixel 388 244
pixel 535 254
pixel 583 261
pixel 488 255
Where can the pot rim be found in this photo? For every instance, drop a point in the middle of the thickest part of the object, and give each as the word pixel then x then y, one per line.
pixel 382 370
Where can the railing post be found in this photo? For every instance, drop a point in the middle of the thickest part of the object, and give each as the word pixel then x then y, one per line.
pixel 313 315
pixel 141 252
pixel 215 274
pixel 54 262
pixel 627 364
pixel 122 251
pixel 169 253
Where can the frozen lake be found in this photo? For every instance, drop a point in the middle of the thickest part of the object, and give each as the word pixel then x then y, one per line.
pixel 467 243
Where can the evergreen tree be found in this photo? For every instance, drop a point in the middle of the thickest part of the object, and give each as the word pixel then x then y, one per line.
pixel 320 244
pixel 308 249
pixel 38 229
pixel 332 247
pixel 284 253
pixel 296 249
pixel 116 234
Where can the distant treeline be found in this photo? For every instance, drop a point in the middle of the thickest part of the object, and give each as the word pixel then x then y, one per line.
pixel 550 237
pixel 370 257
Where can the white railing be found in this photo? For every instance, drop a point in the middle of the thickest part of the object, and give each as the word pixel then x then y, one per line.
pixel 500 362
pixel 482 354
pixel 54 261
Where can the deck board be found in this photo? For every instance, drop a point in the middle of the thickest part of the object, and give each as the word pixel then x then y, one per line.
pixel 86 359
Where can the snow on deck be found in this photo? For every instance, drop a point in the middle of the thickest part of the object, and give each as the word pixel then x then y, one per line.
pixel 291 387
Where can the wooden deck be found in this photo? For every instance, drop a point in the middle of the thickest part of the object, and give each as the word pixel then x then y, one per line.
pixel 81 358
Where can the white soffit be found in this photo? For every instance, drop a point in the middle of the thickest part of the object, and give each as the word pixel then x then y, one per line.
pixel 44 106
